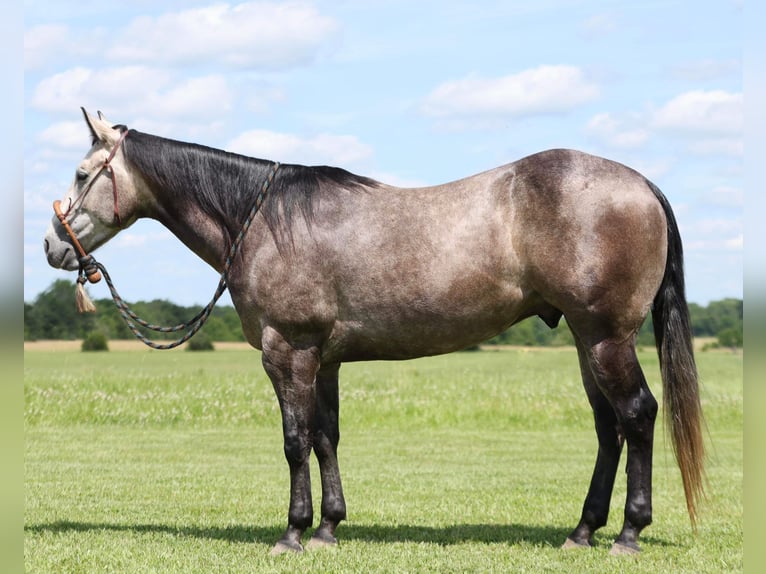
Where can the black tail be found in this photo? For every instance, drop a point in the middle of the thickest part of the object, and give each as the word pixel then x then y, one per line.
pixel 673 335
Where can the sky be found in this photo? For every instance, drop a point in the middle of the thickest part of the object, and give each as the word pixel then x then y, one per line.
pixel 409 93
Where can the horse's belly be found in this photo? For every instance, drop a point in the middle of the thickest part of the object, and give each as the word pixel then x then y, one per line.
pixel 421 327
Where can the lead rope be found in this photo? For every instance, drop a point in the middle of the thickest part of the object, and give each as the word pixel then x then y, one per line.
pixel 89 266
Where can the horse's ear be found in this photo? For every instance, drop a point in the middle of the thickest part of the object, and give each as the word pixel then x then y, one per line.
pixel 89 121
pixel 100 129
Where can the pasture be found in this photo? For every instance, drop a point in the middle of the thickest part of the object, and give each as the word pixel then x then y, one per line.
pixel 147 461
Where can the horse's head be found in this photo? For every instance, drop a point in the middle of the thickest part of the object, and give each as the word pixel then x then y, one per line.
pixel 102 199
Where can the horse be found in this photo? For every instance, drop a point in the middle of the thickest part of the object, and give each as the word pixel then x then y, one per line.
pixel 337 267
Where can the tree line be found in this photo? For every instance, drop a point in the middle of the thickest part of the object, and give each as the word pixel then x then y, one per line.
pixel 52 315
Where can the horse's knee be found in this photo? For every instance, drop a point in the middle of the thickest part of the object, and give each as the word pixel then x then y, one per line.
pixel 297 447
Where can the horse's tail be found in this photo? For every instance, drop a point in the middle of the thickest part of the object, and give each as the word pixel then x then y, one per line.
pixel 673 336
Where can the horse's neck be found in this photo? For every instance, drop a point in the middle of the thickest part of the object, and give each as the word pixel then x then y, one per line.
pixel 182 178
pixel 189 223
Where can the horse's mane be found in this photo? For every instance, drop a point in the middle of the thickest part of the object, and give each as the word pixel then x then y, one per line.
pixel 225 184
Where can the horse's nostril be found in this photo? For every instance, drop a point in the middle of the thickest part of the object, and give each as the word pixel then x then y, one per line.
pixel 47 246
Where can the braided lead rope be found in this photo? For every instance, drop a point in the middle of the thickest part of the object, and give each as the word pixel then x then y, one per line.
pixel 88 262
pixel 193 325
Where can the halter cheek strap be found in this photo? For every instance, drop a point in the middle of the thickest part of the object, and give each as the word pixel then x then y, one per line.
pixel 106 166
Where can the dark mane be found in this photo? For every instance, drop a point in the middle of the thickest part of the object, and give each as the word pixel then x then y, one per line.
pixel 225 184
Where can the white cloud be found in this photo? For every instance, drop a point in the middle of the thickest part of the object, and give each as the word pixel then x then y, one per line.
pixel 714 234
pixel 618 132
pixel 712 121
pixel 207 95
pixel 264 35
pixel 132 90
pixel 117 88
pixel 706 113
pixel 726 197
pixel 341 150
pixel 598 25
pixel 260 96
pixel 128 240
pixel 718 146
pixel 43 41
pixel 536 91
pixel 66 136
pixel 654 169
pixel 707 69
pixel 58 92
pixel 38 200
pixel 719 225
pixel 47 45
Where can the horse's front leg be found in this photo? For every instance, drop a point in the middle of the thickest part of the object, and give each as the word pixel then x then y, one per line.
pixel 326 448
pixel 293 371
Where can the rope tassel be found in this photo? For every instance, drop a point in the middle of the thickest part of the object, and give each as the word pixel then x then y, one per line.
pixel 82 299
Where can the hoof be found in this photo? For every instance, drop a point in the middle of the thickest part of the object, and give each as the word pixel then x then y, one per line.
pixel 315 543
pixel 571 544
pixel 620 549
pixel 322 538
pixel 283 547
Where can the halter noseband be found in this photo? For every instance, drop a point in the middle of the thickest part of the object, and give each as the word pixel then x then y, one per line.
pixel 92 273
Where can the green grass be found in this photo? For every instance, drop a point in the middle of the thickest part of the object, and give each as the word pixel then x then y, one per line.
pixel 472 462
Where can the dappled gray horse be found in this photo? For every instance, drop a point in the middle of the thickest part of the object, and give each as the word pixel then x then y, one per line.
pixel 337 267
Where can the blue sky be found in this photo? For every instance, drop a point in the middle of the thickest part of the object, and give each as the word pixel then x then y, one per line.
pixel 411 93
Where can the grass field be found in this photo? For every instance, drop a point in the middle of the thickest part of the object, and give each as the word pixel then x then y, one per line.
pixel 147 461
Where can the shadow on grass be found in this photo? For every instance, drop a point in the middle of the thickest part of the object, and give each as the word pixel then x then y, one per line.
pixel 511 534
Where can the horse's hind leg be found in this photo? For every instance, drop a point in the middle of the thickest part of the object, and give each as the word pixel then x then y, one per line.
pixel 610 441
pixel 326 438
pixel 619 377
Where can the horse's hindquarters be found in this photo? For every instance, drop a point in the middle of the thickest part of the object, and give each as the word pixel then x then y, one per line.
pixel 592 241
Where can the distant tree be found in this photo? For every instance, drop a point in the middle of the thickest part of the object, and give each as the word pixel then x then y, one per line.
pixel 200 342
pixel 534 332
pixel 110 322
pixel 717 316
pixel 95 342
pixel 54 314
pixel 730 337
pixel 224 325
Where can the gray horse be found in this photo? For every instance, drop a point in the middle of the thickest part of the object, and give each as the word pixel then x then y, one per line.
pixel 336 267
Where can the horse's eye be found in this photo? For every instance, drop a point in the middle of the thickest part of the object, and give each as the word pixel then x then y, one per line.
pixel 82 175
